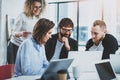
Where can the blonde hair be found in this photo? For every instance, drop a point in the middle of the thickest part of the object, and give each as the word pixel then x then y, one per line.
pixel 101 23
pixel 28 8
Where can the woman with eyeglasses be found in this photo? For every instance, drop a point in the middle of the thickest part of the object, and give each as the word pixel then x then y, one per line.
pixel 24 26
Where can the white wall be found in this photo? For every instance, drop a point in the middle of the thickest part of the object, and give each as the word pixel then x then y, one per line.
pixel 110 15
pixel 3 34
pixel 12 8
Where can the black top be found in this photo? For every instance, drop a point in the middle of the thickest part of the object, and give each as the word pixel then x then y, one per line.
pixel 51 44
pixel 109 44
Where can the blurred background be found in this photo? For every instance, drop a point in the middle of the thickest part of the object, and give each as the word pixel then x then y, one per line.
pixel 82 12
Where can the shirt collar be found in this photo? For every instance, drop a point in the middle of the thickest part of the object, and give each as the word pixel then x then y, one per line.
pixel 37 46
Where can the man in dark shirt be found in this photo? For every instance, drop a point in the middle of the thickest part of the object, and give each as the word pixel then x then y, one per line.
pixel 61 43
pixel 101 41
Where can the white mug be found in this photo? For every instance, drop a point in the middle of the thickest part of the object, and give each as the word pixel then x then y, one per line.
pixel 75 70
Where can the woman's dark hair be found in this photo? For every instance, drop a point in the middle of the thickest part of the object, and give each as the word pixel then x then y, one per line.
pixel 41 28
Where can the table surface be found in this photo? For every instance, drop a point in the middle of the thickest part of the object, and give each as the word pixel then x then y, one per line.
pixel 83 75
pixel 90 75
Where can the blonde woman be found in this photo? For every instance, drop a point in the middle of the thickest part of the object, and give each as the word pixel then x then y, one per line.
pixel 24 26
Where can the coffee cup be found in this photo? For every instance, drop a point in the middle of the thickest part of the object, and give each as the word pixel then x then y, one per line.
pixel 62 75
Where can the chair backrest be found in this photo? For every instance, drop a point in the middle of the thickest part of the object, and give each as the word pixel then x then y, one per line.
pixel 6 71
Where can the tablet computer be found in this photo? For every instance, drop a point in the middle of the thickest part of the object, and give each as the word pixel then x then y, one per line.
pixel 60 64
pixel 57 65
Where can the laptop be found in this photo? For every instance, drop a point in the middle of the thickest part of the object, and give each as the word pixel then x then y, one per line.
pixel 115 62
pixel 105 71
pixel 57 65
pixel 85 59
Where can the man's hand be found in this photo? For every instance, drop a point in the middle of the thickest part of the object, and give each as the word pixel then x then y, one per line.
pixel 66 43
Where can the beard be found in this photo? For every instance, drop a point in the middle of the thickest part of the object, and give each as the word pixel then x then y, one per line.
pixel 65 35
pixel 97 41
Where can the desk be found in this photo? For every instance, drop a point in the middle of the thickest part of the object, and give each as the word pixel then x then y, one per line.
pixel 89 76
pixel 92 75
pixel 83 76
pixel 25 77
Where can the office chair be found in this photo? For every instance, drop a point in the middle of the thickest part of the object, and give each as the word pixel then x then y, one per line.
pixel 6 71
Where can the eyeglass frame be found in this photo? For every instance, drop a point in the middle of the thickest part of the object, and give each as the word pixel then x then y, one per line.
pixel 67 30
pixel 37 7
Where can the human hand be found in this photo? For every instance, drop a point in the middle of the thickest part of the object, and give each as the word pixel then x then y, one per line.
pixel 26 34
pixel 23 33
pixel 66 43
pixel 18 34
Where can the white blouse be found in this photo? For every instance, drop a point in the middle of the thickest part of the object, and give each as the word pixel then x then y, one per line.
pixel 23 23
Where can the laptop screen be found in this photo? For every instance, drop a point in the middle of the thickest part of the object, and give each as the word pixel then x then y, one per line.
pixel 85 59
pixel 57 65
pixel 54 67
pixel 105 71
pixel 115 62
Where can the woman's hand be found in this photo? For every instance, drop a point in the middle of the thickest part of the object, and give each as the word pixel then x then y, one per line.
pixel 23 33
pixel 18 34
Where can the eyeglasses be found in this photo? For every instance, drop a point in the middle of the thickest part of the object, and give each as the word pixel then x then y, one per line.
pixel 67 30
pixel 37 7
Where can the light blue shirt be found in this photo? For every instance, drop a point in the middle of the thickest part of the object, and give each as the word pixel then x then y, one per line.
pixel 31 58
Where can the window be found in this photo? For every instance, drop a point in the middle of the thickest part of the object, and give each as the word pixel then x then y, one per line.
pixel 84 13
